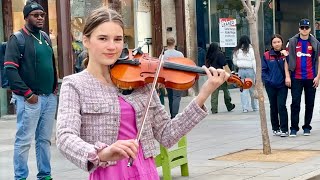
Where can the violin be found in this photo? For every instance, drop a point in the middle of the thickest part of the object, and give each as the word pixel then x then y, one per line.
pixel 137 69
pixel 176 73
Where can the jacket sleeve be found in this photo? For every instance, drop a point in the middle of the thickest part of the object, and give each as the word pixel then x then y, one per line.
pixel 169 131
pixel 11 65
pixel 69 143
pixel 264 69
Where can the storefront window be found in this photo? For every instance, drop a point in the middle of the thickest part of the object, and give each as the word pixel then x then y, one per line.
pixel 19 22
pixel 80 9
pixel 317 19
pixel 214 10
pixel 227 9
pixel 268 23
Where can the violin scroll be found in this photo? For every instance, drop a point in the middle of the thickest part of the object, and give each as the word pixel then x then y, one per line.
pixel 235 79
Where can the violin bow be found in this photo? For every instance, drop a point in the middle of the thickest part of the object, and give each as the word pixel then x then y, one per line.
pixel 130 162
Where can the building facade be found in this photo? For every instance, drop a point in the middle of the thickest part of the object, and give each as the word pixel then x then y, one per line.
pixel 274 16
pixel 194 25
pixel 65 21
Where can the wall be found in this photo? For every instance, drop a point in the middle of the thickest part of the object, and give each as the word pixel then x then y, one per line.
pixel 143 24
pixel 168 20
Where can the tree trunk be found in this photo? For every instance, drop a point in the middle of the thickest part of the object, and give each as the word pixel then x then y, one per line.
pixel 259 88
pixel 252 16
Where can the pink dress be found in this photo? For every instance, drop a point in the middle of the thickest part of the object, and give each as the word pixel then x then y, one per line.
pixel 142 169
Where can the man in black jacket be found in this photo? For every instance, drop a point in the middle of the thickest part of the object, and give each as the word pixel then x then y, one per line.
pixel 33 80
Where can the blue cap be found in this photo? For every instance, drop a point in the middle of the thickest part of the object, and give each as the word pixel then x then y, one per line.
pixel 304 22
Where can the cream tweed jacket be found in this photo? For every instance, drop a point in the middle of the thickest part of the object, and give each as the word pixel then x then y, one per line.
pixel 89 113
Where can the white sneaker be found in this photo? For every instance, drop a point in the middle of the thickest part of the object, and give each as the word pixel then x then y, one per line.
pixel 284 134
pixel 277 133
pixel 245 111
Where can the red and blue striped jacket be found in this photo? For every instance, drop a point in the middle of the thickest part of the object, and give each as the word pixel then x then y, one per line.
pixel 273 69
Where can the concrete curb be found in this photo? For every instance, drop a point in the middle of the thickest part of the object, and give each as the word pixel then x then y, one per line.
pixel 314 175
pixel 8 117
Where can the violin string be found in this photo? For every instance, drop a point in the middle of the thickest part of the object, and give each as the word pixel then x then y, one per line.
pixel 176 66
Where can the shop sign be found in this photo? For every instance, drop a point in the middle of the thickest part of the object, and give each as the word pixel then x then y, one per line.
pixel 228 32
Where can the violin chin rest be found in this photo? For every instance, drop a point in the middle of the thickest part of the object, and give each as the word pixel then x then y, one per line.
pixel 124 54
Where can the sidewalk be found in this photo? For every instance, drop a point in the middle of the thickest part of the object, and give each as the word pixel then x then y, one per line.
pixel 217 135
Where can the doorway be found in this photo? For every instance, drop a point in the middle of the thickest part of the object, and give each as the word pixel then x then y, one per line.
pixel 288 14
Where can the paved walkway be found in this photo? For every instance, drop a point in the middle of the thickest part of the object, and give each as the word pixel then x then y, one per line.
pixel 219 134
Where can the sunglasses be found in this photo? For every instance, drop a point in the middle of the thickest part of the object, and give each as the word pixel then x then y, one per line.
pixel 36 15
pixel 304 27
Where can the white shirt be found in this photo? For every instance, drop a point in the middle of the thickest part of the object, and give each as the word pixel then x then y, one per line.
pixel 244 60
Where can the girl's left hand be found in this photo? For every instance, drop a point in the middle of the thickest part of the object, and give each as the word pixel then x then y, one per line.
pixel 216 77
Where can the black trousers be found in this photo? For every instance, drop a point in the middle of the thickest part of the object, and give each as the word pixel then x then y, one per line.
pixel 297 86
pixel 278 109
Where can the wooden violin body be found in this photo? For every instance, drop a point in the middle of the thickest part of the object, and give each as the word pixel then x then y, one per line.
pixel 176 73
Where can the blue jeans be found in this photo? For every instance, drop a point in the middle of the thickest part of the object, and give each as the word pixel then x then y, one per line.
pixel 246 94
pixel 33 120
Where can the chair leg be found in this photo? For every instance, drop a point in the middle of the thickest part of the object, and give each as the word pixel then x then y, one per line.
pixel 166 163
pixel 184 167
pixel 166 168
pixel 166 171
pixel 184 170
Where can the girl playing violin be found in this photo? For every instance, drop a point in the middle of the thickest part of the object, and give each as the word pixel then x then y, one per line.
pixel 97 124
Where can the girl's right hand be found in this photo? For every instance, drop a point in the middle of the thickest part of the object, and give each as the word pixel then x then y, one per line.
pixel 284 52
pixel 119 150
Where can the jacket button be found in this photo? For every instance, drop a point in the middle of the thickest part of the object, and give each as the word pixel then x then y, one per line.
pixel 96 108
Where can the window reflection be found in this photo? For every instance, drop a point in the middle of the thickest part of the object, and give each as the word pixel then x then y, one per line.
pixel 19 22
pixel 80 9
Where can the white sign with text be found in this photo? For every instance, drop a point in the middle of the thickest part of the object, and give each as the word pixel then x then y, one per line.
pixel 228 32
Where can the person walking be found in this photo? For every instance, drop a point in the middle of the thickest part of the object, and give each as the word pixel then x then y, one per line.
pixel 273 77
pixel 243 58
pixel 97 125
pixel 33 81
pixel 302 73
pixel 174 96
pixel 215 58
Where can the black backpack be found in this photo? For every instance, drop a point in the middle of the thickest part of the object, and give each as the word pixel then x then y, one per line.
pixel 21 43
